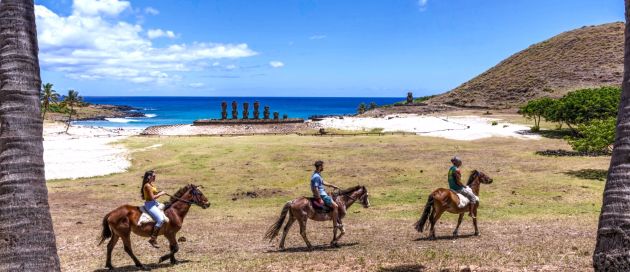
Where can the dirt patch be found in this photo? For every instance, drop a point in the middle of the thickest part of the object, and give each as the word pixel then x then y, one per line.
pixel 258 193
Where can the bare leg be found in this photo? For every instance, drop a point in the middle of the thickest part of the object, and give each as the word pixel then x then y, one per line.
pixel 459 222
pixel 127 244
pixel 110 248
pixel 286 230
pixel 302 222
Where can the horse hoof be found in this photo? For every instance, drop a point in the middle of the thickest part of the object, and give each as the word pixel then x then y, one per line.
pixel 334 244
pixel 162 259
pixel 143 267
pixel 455 234
pixel 477 234
pixel 174 262
pixel 109 267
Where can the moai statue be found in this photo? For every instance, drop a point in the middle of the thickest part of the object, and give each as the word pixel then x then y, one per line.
pixel 285 116
pixel 245 110
pixel 266 113
pixel 276 115
pixel 409 98
pixel 256 112
pixel 234 110
pixel 223 110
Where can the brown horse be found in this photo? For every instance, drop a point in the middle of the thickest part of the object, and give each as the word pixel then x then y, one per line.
pixel 301 209
pixel 442 200
pixel 122 221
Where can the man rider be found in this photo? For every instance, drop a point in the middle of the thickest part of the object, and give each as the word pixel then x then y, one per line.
pixel 455 184
pixel 317 187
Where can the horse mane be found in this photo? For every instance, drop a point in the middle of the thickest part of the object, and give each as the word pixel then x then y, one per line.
pixel 177 195
pixel 349 190
pixel 471 177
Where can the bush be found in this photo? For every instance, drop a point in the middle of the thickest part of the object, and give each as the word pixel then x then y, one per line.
pixel 373 105
pixel 494 123
pixel 362 108
pixel 594 136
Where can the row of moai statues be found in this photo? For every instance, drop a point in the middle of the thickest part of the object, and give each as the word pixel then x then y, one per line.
pixel 266 112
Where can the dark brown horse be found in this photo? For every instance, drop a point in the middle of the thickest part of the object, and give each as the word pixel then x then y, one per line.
pixel 301 209
pixel 122 221
pixel 442 200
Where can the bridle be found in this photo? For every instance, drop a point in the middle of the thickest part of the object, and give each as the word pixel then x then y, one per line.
pixel 195 200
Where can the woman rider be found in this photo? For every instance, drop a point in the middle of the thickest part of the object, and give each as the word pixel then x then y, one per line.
pixel 150 195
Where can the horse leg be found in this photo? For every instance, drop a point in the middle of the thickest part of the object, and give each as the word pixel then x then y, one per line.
pixel 438 213
pixel 127 245
pixel 475 222
pixel 459 222
pixel 173 246
pixel 432 222
pixel 286 230
pixel 342 231
pixel 333 243
pixel 110 248
pixel 302 222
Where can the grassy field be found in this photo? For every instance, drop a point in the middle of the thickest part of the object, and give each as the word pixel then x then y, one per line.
pixel 539 214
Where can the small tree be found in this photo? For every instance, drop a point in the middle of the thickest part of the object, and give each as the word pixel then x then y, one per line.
pixel 47 97
pixel 373 105
pixel 71 100
pixel 584 105
pixel 535 109
pixel 594 136
pixel 362 108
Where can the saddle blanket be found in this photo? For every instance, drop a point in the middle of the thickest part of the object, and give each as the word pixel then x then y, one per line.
pixel 146 217
pixel 463 200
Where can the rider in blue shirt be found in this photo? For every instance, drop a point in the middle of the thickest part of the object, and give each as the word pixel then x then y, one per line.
pixel 317 186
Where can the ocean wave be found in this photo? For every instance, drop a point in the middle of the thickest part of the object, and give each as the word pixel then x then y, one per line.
pixel 150 115
pixel 146 109
pixel 121 120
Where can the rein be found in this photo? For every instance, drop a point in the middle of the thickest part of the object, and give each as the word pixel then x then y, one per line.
pixel 182 200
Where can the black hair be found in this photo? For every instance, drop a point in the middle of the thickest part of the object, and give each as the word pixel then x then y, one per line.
pixel 318 164
pixel 145 180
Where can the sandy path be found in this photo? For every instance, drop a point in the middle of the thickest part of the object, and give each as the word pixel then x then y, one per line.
pixel 84 151
pixel 449 127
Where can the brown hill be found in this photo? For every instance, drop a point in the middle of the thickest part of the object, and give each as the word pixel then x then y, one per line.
pixel 585 57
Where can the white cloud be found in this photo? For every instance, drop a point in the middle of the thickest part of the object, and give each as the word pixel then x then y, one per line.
pixel 276 64
pixel 85 45
pixel 196 85
pixel 157 33
pixel 317 37
pixel 96 7
pixel 151 11
pixel 423 4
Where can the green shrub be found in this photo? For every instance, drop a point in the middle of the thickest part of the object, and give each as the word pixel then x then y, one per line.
pixel 494 123
pixel 373 105
pixel 362 108
pixel 594 136
pixel 584 105
pixel 537 108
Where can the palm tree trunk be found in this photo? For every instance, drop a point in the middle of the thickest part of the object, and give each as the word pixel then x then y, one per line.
pixel 612 251
pixel 45 109
pixel 69 117
pixel 27 240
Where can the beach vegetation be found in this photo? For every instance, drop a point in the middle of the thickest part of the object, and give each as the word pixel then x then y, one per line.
pixel 48 97
pixel 362 108
pixel 71 100
pixel 594 136
pixel 373 105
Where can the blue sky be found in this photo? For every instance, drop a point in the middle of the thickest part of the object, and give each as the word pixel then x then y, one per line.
pixel 292 48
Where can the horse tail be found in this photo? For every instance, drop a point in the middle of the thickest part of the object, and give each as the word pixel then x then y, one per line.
pixel 425 214
pixel 274 229
pixel 106 233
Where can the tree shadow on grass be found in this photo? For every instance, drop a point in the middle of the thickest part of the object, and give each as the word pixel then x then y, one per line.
pixel 592 174
pixel 450 237
pixel 148 266
pixel 315 248
pixel 404 268
pixel 555 133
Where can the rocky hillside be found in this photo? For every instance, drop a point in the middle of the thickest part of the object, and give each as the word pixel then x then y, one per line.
pixel 586 57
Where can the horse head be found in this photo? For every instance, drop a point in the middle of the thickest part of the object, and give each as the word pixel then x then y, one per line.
pixel 482 177
pixel 197 196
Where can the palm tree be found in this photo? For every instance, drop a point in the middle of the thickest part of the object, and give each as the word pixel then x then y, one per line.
pixel 48 95
pixel 71 100
pixel 27 240
pixel 612 251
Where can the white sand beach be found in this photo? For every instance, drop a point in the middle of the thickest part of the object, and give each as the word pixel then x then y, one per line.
pixel 465 128
pixel 84 151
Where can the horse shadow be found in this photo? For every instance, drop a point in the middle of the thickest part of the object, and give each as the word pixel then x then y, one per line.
pixel 148 267
pixel 464 236
pixel 404 268
pixel 315 248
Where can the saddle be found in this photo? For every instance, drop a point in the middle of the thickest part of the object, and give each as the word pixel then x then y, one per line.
pixel 319 208
pixel 146 218
pixel 463 200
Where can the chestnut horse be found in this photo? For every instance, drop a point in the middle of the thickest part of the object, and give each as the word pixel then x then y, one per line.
pixel 122 221
pixel 442 200
pixel 301 209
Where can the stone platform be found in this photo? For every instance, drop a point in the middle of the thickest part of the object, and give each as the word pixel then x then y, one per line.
pixel 210 122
